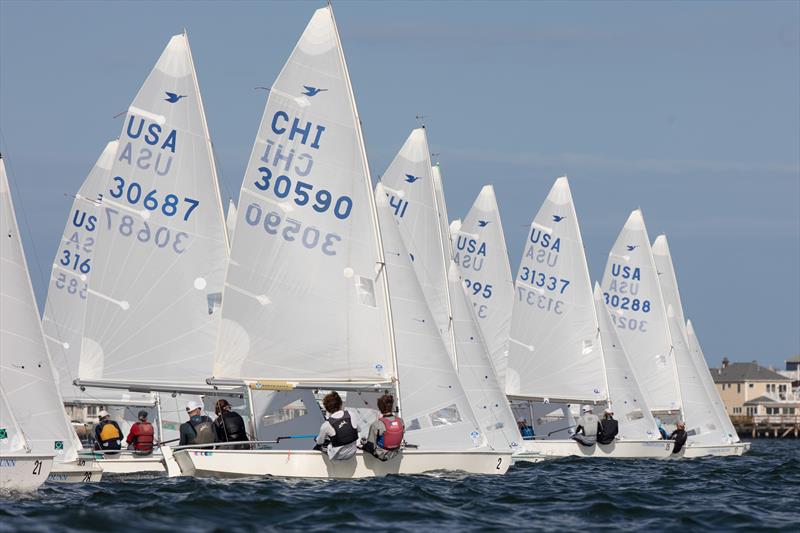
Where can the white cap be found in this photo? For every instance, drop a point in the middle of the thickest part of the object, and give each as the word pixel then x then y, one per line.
pixel 102 414
pixel 191 405
pixel 609 411
pixel 586 409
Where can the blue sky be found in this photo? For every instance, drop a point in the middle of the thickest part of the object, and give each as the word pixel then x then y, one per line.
pixel 690 111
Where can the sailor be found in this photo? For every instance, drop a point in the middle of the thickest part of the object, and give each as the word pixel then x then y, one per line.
pixel 525 430
pixel 386 433
pixel 229 426
pixel 609 428
pixel 107 434
pixel 199 429
pixel 587 426
pixel 661 430
pixel 337 435
pixel 679 436
pixel 140 437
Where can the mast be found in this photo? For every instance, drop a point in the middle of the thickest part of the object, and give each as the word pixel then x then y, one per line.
pixel 373 213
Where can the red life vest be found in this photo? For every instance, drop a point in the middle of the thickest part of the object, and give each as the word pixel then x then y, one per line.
pixel 142 437
pixel 392 437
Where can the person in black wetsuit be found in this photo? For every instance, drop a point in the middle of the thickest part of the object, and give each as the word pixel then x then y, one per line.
pixel 609 428
pixel 229 426
pixel 679 436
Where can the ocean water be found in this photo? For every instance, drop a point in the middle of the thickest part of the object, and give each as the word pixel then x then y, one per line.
pixel 757 492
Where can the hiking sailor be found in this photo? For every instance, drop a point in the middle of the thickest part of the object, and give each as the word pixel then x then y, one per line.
pixel 609 428
pixel 337 435
pixel 229 426
pixel 679 436
pixel 199 429
pixel 140 437
pixel 107 434
pixel 586 428
pixel 386 433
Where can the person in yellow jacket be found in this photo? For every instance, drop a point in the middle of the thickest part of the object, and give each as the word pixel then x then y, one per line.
pixel 107 434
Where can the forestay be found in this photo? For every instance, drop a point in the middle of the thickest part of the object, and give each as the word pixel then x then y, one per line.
pixel 435 408
pixel 626 397
pixel 159 260
pixel 411 191
pixel 632 294
pixel 702 422
pixel 305 294
pixel 700 361
pixel 481 254
pixel 26 373
pixel 68 290
pixel 11 438
pixel 554 350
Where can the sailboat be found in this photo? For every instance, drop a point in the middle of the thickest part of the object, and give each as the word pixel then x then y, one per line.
pixel 306 300
pixel 632 294
pixel 563 348
pixel 157 267
pixel 708 425
pixel 480 252
pixel 33 424
pixel 422 217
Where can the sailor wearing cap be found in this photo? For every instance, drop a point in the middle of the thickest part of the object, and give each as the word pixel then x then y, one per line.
pixel 107 434
pixel 586 427
pixel 199 429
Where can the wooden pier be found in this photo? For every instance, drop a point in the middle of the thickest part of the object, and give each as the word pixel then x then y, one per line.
pixel 767 426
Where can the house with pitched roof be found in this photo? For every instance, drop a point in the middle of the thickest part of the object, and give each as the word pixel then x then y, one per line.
pixel 749 389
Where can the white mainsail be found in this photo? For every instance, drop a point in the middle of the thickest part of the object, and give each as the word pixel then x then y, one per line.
pixel 305 296
pixel 625 395
pixel 554 349
pixel 158 265
pixel 230 219
pixel 481 254
pixel 435 408
pixel 65 307
pixel 708 381
pixel 633 296
pixel 26 373
pixel 444 225
pixel 702 423
pixel 410 185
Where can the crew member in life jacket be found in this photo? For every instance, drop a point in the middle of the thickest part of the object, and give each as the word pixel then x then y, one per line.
pixel 386 433
pixel 609 428
pixel 229 426
pixel 679 436
pixel 199 429
pixel 587 427
pixel 337 435
pixel 140 437
pixel 107 434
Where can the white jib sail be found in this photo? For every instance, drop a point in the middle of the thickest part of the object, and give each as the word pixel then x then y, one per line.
pixel 633 296
pixel 625 396
pixel 708 381
pixel 68 290
pixel 230 219
pixel 479 250
pixel 26 373
pixel 435 407
pixel 411 191
pixel 158 265
pixel 11 438
pixel 305 295
pixel 702 422
pixel 554 350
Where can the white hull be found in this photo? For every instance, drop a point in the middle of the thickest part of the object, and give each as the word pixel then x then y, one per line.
pixel 128 463
pixel 716 450
pixel 314 464
pixel 24 473
pixel 81 470
pixel 620 449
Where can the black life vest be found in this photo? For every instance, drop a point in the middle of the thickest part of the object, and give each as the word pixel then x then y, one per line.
pixel 230 427
pixel 680 437
pixel 345 432
pixel 203 431
pixel 142 437
pixel 608 430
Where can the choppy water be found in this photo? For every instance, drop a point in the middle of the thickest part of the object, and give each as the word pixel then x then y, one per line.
pixel 760 491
